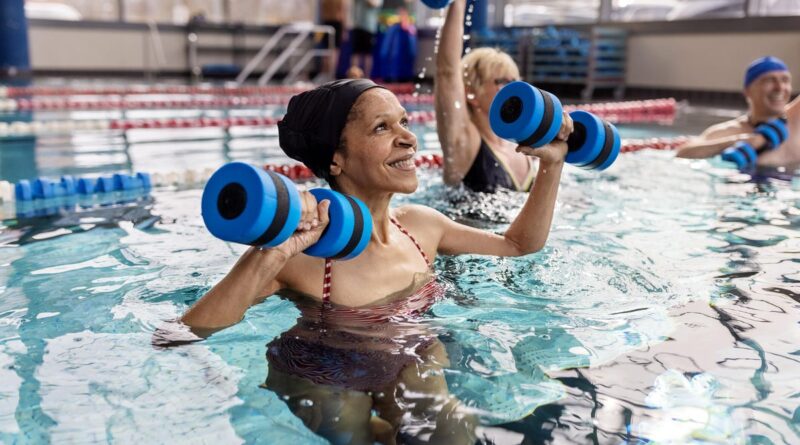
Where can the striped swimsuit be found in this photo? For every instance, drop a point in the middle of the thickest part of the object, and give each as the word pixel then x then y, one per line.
pixel 361 348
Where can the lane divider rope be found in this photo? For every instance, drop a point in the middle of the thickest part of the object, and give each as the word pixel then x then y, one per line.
pixel 296 171
pixel 661 111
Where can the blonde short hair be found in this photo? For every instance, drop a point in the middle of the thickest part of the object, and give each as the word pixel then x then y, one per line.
pixel 482 64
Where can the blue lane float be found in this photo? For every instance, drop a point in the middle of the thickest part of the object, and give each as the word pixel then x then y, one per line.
pixel 46 188
pixel 532 117
pixel 245 204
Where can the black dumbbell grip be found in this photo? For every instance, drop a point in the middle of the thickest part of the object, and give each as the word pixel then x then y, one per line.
pixel 608 144
pixel 358 227
pixel 544 126
pixel 281 211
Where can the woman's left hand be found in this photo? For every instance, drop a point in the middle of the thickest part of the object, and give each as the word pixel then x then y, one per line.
pixel 552 153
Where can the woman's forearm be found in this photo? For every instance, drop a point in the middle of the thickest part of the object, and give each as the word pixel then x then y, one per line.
pixel 451 45
pixel 531 227
pixel 251 278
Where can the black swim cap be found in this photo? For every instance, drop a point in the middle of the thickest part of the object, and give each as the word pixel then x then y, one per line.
pixel 312 127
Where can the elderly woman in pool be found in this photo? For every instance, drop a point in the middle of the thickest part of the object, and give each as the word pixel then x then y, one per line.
pixel 464 90
pixel 355 134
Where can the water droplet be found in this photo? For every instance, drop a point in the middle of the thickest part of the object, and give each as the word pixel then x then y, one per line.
pixel 417 85
pixel 457 104
pixel 470 96
pixel 306 403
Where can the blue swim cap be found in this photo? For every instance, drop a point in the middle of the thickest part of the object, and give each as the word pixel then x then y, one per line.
pixel 761 66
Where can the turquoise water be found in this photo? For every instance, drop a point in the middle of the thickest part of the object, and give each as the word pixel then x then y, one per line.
pixel 664 309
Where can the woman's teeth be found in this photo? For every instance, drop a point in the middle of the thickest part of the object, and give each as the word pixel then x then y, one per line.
pixel 406 164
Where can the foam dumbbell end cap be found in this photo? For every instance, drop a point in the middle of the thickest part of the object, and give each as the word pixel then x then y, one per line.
pixel 594 144
pixel 247 205
pixel 525 114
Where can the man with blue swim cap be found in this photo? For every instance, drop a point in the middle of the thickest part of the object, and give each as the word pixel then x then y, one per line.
pixel 769 134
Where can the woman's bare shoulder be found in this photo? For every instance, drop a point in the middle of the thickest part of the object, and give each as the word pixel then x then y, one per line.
pixel 416 214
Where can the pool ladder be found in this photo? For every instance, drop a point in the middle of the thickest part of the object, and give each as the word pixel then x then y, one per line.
pixel 301 31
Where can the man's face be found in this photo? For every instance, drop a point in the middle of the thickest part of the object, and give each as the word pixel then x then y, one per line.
pixel 770 93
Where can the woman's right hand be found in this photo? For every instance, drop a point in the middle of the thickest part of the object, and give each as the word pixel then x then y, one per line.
pixel 567 127
pixel 313 221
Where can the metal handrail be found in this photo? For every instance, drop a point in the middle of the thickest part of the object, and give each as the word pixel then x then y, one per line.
pixel 157 46
pixel 303 30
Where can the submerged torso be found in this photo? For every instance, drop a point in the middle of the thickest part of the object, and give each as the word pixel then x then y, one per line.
pixel 361 347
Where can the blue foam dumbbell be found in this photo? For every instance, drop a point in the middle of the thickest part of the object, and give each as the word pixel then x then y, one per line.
pixel 775 131
pixel 245 204
pixel 745 156
pixel 742 154
pixel 529 116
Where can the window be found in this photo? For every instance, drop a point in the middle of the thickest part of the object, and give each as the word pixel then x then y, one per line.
pixel 178 12
pixel 777 7
pixel 527 13
pixel 650 10
pixel 72 9
pixel 273 12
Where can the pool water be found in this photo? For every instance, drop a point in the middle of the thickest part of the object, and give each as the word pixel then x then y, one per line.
pixel 664 309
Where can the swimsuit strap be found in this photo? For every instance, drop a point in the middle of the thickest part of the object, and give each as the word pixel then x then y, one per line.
pixel 422 252
pixel 326 280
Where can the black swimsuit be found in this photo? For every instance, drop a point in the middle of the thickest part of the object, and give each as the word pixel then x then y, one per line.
pixel 487 173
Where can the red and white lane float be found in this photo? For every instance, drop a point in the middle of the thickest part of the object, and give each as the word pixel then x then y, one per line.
pixel 20 129
pixel 178 102
pixel 653 111
pixel 397 88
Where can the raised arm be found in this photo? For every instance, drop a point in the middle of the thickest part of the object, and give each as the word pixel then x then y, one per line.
pixel 251 279
pixel 526 234
pixel 458 136
pixel 256 275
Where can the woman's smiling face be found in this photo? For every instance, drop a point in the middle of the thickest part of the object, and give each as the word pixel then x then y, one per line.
pixel 378 149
